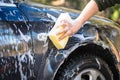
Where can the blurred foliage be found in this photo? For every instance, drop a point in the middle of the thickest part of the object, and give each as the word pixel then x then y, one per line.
pixel 116 13
pixel 111 13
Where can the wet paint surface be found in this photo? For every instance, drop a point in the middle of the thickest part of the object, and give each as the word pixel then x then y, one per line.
pixel 15 51
pixel 16 60
pixel 21 41
pixel 26 53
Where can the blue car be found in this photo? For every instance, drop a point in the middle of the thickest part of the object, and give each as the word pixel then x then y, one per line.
pixel 27 53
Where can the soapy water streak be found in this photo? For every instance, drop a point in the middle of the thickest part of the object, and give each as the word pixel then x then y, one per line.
pixel 22 65
pixel 24 61
pixel 26 58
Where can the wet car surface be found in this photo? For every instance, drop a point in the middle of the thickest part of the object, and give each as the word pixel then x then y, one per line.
pixel 26 53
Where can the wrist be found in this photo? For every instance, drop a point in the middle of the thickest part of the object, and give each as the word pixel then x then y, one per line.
pixel 78 23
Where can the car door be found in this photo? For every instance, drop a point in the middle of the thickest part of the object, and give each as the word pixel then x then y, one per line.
pixel 16 58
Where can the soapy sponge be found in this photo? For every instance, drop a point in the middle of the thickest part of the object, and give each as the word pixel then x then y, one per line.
pixel 59 44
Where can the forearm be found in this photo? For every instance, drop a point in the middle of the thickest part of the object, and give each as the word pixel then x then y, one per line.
pixel 90 10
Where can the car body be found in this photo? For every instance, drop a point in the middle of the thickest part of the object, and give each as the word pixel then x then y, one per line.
pixel 26 52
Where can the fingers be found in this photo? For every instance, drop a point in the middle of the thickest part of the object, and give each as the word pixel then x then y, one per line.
pixel 63 31
pixel 63 23
pixel 68 33
pixel 67 29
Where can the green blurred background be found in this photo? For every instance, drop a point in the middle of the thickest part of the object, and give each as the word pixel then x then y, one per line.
pixel 111 13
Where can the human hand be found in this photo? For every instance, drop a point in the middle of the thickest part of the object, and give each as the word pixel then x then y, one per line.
pixel 69 29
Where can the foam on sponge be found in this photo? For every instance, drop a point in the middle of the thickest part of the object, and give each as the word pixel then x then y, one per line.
pixel 59 44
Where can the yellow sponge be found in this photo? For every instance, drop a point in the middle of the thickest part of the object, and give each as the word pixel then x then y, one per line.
pixel 59 44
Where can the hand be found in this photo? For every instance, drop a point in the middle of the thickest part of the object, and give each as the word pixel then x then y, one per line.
pixel 69 29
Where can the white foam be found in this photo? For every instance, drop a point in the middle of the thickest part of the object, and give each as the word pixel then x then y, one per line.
pixel 7 4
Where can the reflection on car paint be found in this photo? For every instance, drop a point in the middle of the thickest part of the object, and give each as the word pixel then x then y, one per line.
pixel 23 59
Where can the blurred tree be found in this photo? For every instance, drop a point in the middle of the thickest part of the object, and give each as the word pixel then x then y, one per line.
pixel 115 13
pixel 77 4
pixel 112 13
pixel 58 2
pixel 41 1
